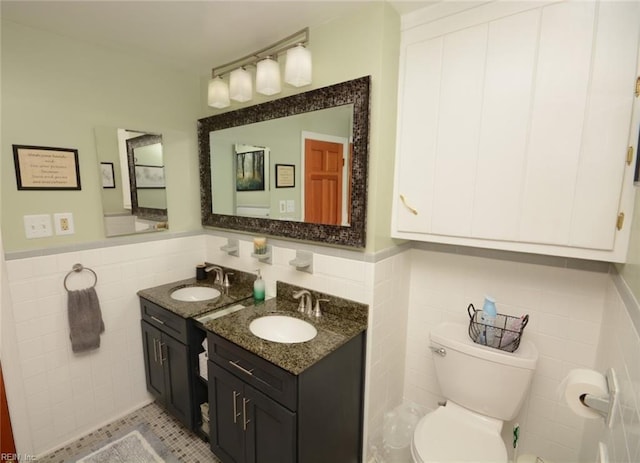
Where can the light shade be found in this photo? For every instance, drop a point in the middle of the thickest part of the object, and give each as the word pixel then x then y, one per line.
pixel 268 77
pixel 218 94
pixel 240 86
pixel 297 71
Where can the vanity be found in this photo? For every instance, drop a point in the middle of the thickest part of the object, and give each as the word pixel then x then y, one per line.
pixel 262 400
pixel 172 341
pixel 268 401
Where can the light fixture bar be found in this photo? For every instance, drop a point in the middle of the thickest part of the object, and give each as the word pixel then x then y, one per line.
pixel 299 38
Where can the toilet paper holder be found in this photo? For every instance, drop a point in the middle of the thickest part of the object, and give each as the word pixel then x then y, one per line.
pixel 604 405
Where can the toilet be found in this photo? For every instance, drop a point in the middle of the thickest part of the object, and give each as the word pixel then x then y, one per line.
pixel 483 387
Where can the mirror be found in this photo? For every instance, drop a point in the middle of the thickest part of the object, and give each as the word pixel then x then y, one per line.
pixel 307 176
pixel 133 189
pixel 313 144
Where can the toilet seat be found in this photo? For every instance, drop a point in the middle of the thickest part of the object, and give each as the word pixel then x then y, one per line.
pixel 453 433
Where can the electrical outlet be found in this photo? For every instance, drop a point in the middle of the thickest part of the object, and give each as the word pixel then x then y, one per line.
pixel 291 205
pixel 37 226
pixel 64 223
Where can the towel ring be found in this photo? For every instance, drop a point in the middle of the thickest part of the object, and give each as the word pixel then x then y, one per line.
pixel 77 268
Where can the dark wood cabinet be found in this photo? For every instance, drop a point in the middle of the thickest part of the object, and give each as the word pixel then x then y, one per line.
pixel 246 425
pixel 167 371
pixel 260 413
pixel 167 360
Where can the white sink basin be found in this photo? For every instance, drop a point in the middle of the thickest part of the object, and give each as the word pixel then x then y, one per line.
pixel 195 294
pixel 283 329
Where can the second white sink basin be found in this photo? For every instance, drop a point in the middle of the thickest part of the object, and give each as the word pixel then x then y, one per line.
pixel 283 329
pixel 195 294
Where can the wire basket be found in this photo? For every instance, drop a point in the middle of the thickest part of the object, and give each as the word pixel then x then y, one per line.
pixel 504 334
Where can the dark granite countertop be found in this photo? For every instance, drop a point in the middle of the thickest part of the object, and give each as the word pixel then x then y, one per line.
pixel 241 289
pixel 342 320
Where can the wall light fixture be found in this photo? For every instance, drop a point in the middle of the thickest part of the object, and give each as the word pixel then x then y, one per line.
pixel 268 82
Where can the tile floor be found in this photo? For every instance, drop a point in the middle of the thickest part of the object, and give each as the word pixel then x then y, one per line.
pixel 185 445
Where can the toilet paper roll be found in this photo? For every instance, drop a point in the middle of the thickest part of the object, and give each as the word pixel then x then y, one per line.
pixel 580 382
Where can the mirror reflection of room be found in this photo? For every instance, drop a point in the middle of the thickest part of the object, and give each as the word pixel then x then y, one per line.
pixel 306 161
pixel 133 185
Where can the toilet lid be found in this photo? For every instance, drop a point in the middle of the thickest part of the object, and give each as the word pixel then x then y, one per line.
pixel 452 433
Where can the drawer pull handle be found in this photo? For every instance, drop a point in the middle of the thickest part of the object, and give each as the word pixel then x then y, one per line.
pixel 413 210
pixel 157 320
pixel 236 414
pixel 235 364
pixel 245 421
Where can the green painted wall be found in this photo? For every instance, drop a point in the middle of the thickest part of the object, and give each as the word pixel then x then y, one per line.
pixel 55 91
pixel 366 43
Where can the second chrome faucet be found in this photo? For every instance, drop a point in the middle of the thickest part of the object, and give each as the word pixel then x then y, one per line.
pixel 221 278
pixel 305 305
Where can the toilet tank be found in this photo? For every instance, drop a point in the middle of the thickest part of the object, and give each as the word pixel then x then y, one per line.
pixel 480 378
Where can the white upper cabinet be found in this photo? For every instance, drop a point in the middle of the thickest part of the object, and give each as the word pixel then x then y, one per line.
pixel 513 126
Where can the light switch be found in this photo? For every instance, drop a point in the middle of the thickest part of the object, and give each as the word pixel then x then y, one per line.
pixel 283 206
pixel 37 226
pixel 64 223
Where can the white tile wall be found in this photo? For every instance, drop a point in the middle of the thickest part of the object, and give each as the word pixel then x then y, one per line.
pixel 383 286
pixel 619 348
pixel 66 394
pixel 69 395
pixel 408 294
pixel 565 308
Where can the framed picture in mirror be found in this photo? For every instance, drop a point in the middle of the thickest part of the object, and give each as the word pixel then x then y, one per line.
pixel 250 171
pixel 107 175
pixel 285 176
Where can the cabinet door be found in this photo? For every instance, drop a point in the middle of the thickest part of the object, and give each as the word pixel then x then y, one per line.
pixel 513 126
pixel 270 429
pixel 175 360
pixel 154 371
pixel 226 435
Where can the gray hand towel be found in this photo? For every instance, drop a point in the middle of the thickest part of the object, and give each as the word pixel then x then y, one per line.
pixel 85 320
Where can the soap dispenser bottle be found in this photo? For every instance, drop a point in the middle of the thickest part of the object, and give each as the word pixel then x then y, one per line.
pixel 489 314
pixel 258 288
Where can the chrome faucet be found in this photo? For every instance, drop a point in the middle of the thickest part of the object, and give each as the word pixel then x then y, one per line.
pixel 219 273
pixel 305 305
pixel 317 310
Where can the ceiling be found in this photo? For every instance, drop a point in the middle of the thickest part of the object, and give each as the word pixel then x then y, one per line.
pixel 191 35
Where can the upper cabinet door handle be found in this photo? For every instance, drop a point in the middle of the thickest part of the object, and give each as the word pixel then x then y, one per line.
pixel 411 209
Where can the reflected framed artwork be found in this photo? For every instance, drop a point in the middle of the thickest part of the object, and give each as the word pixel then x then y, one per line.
pixel 285 176
pixel 107 175
pixel 250 171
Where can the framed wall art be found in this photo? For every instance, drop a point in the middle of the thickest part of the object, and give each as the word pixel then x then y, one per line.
pixel 46 168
